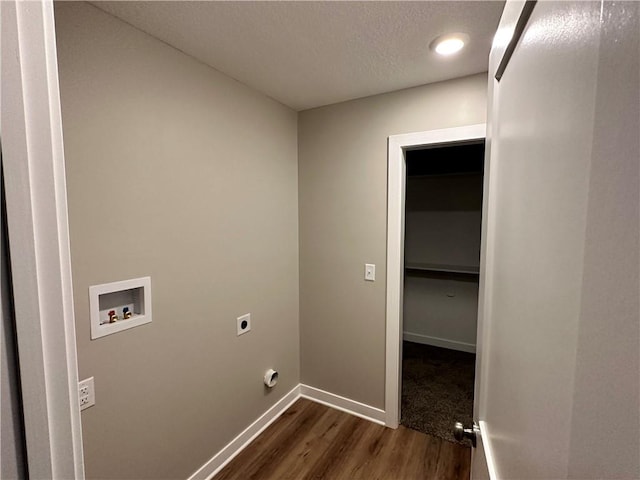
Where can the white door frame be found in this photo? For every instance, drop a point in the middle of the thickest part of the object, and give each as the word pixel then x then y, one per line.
pixel 398 145
pixel 36 202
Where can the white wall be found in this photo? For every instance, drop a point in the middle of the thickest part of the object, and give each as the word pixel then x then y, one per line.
pixel 443 237
pixel 441 311
pixel 442 226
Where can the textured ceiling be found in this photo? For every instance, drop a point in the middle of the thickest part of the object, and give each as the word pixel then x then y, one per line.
pixel 307 54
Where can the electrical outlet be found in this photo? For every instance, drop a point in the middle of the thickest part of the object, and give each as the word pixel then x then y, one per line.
pixel 244 324
pixel 86 393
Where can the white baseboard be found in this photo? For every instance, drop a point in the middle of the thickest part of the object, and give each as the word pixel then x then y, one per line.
pixel 439 342
pixel 235 446
pixel 344 404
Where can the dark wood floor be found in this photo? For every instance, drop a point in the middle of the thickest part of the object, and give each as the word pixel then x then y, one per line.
pixel 311 441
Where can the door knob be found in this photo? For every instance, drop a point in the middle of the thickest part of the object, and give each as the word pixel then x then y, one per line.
pixel 460 433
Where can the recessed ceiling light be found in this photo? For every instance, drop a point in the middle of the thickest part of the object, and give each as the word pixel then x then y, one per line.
pixel 449 44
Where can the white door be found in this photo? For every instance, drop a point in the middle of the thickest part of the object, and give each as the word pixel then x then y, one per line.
pixel 558 373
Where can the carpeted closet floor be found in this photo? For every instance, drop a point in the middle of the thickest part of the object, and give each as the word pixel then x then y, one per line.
pixel 437 389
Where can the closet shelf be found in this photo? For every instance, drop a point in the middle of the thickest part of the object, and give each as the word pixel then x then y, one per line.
pixel 444 174
pixel 434 267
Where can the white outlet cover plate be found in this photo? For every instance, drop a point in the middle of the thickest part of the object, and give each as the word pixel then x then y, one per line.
pixel 244 318
pixel 369 272
pixel 86 393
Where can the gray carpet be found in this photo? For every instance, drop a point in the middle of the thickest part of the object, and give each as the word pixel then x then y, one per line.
pixel 437 389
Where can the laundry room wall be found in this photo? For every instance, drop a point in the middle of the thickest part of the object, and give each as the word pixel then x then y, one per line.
pixel 343 214
pixel 177 172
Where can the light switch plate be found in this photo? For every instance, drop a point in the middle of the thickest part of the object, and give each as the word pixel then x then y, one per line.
pixel 369 272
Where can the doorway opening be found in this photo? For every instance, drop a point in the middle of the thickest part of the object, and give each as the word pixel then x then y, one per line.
pixel 443 218
pixel 435 188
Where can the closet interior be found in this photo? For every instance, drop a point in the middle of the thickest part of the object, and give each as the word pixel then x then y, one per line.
pixel 443 219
